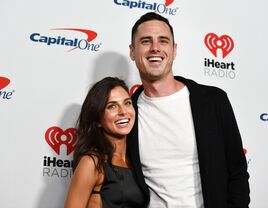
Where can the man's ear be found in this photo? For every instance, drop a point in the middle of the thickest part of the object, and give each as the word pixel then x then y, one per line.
pixel 175 51
pixel 131 52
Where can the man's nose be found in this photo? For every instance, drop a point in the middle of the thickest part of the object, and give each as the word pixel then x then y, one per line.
pixel 155 46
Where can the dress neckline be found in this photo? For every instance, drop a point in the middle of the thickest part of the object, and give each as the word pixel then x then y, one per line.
pixel 121 167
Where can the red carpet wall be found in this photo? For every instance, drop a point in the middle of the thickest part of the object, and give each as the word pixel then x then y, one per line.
pixel 53 51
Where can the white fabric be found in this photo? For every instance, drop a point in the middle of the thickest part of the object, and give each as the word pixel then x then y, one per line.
pixel 168 151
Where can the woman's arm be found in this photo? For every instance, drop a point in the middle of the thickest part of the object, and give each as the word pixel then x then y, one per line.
pixel 85 178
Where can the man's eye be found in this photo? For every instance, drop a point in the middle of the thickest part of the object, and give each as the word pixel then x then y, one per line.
pixel 164 41
pixel 144 41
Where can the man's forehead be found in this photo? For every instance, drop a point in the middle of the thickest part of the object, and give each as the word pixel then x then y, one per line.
pixel 157 29
pixel 151 23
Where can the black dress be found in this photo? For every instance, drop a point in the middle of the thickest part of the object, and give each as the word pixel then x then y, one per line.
pixel 119 189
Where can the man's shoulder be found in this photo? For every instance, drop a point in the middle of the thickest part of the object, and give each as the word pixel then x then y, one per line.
pixel 193 86
pixel 202 89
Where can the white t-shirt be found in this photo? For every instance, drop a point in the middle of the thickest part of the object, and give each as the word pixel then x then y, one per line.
pixel 168 151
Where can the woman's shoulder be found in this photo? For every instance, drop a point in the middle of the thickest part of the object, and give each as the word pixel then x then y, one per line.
pixel 86 169
pixel 88 161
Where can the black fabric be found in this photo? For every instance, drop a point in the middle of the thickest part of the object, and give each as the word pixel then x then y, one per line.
pixel 119 189
pixel 223 166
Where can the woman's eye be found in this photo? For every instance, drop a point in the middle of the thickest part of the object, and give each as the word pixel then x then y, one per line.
pixel 128 103
pixel 112 106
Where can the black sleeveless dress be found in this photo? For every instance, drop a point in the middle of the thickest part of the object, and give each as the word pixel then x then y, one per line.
pixel 119 189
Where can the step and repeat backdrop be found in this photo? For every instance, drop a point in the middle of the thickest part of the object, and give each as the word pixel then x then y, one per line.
pixel 53 51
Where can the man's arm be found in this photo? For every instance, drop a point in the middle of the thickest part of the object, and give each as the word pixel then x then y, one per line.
pixel 237 181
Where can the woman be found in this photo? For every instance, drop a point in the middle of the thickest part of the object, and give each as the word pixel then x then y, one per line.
pixel 102 174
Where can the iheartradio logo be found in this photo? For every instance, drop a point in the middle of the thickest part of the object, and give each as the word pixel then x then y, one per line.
pixel 215 43
pixel 133 89
pixel 245 153
pixel 55 137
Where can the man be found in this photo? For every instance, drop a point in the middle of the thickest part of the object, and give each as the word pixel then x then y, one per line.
pixel 185 147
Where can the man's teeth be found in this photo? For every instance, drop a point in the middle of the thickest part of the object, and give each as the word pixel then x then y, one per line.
pixel 123 121
pixel 155 59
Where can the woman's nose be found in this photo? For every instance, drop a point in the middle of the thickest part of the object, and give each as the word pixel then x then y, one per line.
pixel 122 110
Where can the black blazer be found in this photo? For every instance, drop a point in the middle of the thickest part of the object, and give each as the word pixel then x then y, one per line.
pixel 223 166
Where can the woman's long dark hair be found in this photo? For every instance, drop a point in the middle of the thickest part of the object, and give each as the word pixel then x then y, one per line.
pixel 91 140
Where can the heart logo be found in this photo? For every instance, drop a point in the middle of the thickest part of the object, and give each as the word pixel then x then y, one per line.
pixel 134 88
pixel 4 82
pixel 224 43
pixel 56 137
pixel 168 2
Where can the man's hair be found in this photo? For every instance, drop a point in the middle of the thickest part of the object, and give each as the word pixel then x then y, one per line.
pixel 147 17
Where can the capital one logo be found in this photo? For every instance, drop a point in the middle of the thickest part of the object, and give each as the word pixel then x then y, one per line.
pixel 5 94
pixel 55 137
pixel 90 35
pixel 162 8
pixel 264 116
pixel 214 43
pixel 4 82
pixel 83 44
pixel 168 2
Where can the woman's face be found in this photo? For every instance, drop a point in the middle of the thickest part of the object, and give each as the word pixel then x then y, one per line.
pixel 119 114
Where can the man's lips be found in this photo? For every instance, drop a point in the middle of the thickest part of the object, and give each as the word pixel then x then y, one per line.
pixel 154 58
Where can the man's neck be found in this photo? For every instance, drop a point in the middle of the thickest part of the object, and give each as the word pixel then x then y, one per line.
pixel 161 88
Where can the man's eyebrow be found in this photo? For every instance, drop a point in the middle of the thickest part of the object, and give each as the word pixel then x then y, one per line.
pixel 164 37
pixel 145 37
pixel 149 37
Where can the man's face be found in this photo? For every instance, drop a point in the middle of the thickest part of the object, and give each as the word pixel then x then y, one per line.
pixel 154 50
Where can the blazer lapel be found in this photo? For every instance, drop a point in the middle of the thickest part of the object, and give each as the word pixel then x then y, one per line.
pixel 133 146
pixel 198 102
